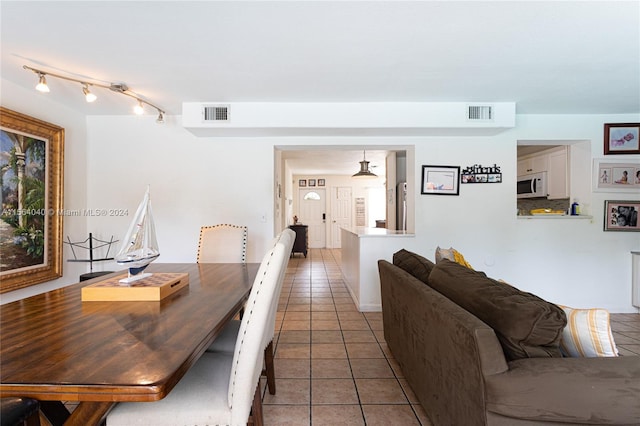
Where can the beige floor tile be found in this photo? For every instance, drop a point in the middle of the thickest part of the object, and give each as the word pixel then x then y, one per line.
pixel 292 368
pixel 346 307
pixel 325 325
pixel 290 391
pixel 299 300
pixel 326 336
pixel 351 316
pixel 358 336
pixel 354 325
pixel 324 315
pixel 296 325
pixel 294 336
pixel 328 350
pixel 395 367
pixel 345 299
pixel 297 316
pixel 298 307
pixel 364 350
pixel 293 350
pixel 390 415
pixel 380 391
pixel 371 368
pixel 330 369
pixel 337 415
pixel 323 307
pixel 376 324
pixel 286 415
pixel 379 335
pixel 333 391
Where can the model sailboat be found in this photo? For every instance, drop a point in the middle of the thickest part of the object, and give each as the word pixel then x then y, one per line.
pixel 139 247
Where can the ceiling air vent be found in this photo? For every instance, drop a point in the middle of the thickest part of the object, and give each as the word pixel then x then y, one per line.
pixel 479 112
pixel 212 113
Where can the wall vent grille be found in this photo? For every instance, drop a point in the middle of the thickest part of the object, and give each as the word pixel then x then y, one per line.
pixel 215 113
pixel 480 112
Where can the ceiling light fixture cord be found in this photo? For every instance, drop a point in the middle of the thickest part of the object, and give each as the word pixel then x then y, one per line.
pixel 90 97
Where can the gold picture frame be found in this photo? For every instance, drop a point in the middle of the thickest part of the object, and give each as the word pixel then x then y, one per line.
pixel 40 215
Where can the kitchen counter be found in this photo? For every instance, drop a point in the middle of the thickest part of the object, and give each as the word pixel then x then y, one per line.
pixel 361 249
pixel 554 216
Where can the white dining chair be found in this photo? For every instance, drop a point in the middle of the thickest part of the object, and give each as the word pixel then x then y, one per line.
pixel 226 340
pixel 222 243
pixel 221 388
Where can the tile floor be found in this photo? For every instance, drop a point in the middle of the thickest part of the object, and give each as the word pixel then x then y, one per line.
pixel 332 364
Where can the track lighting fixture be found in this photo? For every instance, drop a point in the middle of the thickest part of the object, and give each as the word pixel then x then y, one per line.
pixel 364 168
pixel 90 97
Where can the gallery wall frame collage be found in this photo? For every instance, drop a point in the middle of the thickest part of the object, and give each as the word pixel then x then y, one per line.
pixel 619 175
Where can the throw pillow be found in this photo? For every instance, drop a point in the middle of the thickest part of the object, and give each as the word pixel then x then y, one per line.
pixel 587 334
pixel 526 325
pixel 414 264
pixel 453 255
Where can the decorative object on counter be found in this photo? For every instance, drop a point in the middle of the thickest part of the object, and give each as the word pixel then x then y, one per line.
pixel 616 175
pixel 621 138
pixel 295 220
pixel 547 212
pixel 440 180
pixel 33 178
pixel 91 247
pixel 321 182
pixel 575 208
pixel 139 247
pixel 621 215
pixel 302 183
pixel 480 174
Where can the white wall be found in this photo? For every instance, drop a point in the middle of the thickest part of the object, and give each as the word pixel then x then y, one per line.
pixel 45 108
pixel 201 181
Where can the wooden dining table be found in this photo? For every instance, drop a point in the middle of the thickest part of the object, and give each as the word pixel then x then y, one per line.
pixel 54 347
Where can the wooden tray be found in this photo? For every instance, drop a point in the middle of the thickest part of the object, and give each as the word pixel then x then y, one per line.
pixel 153 288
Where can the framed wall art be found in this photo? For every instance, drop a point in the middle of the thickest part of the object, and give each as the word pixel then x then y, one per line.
pixel 302 183
pixel 31 162
pixel 621 138
pixel 312 182
pixel 321 182
pixel 440 180
pixel 616 175
pixel 621 215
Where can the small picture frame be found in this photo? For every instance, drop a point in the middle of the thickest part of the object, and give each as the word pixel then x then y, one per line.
pixel 616 175
pixel 621 138
pixel 621 216
pixel 320 182
pixel 440 180
pixel 302 183
pixel 312 182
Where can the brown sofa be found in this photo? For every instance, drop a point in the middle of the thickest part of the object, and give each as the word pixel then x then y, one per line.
pixel 465 373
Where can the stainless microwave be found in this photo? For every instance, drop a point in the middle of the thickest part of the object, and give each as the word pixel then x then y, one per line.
pixel 531 186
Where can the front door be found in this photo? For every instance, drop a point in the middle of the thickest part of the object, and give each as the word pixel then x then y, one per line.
pixel 313 214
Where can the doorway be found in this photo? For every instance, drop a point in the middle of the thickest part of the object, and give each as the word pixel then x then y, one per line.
pixel 313 213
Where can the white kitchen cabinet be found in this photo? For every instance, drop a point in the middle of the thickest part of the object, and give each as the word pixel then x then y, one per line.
pixel 558 173
pixel 532 164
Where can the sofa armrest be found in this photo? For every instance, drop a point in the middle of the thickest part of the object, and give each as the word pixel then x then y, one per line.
pixel 572 390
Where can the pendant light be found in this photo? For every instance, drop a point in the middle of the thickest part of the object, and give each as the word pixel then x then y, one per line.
pixel 364 168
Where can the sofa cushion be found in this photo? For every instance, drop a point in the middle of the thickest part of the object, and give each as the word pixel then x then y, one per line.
pixel 414 264
pixel 526 325
pixel 585 391
pixel 587 334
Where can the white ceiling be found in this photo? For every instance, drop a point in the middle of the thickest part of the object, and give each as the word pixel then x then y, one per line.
pixel 548 57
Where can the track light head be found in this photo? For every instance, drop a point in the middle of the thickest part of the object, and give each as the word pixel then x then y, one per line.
pixel 42 84
pixel 160 119
pixel 139 108
pixel 90 97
